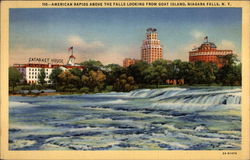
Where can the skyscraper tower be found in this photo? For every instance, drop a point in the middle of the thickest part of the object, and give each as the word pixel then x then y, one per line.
pixel 151 49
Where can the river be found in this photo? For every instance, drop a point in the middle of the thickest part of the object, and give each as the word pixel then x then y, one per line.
pixel 206 118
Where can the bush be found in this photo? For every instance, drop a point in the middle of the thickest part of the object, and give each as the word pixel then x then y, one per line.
pixel 39 87
pixel 72 90
pixel 96 90
pixel 84 90
pixel 61 88
pixel 109 89
pixel 25 87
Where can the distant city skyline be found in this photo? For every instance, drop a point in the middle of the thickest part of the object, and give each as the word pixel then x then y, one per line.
pixel 112 34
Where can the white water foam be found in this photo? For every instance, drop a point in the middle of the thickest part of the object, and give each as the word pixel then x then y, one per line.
pixel 20 104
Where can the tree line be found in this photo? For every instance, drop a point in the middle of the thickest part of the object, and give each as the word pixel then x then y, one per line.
pixel 96 77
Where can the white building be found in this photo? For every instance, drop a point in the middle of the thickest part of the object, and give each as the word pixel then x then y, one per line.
pixel 31 71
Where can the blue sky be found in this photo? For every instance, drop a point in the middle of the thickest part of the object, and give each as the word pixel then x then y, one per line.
pixel 111 34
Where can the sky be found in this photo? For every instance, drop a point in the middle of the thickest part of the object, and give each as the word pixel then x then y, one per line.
pixel 112 34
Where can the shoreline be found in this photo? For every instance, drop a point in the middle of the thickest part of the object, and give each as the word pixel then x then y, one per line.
pixel 44 94
pixel 79 93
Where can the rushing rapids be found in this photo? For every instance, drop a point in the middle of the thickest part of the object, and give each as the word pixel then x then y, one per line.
pixel 146 119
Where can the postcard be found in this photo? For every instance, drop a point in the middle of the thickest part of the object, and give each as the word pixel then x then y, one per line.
pixel 125 80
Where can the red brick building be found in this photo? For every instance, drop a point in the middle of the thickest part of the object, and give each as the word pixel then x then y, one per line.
pixel 208 52
pixel 129 61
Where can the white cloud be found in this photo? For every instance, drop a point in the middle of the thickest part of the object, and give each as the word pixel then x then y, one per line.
pixel 226 44
pixel 182 52
pixel 114 54
pixel 99 51
pixel 21 55
pixel 197 35
pixel 85 47
pixel 83 50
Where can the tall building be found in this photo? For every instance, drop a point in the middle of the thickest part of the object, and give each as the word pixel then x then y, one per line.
pixel 208 52
pixel 151 49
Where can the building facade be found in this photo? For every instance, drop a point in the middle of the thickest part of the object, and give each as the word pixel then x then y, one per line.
pixel 151 49
pixel 208 52
pixel 31 71
pixel 129 61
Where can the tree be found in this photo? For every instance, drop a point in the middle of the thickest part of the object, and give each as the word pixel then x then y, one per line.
pixel 230 73
pixel 203 73
pixel 94 80
pixel 210 72
pixel 137 71
pixel 113 71
pixel 176 69
pixel 77 79
pixel 76 72
pixel 189 72
pixel 42 76
pixel 229 59
pixel 157 73
pixel 14 77
pixel 54 76
pixel 198 72
pixel 125 83
pixel 92 65
pixel 65 78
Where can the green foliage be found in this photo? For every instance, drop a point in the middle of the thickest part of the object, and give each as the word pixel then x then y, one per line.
pixel 200 73
pixel 41 77
pixel 109 88
pixel 112 72
pixel 98 78
pixel 230 73
pixel 176 69
pixel 94 80
pixel 72 90
pixel 157 73
pixel 68 80
pixel 54 77
pixel 14 77
pixel 84 90
pixel 92 65
pixel 76 72
pixel 125 83
pixel 229 59
pixel 25 87
pixel 137 71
